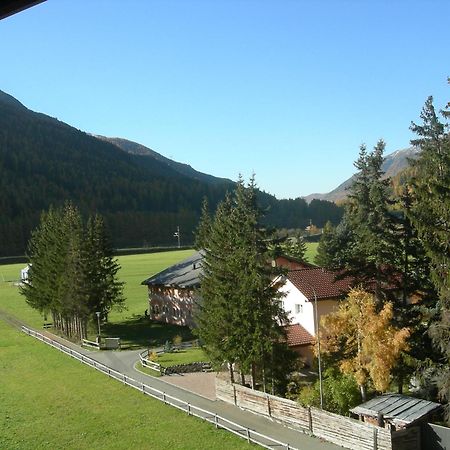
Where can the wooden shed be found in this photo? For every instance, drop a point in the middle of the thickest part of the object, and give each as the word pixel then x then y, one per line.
pixel 396 411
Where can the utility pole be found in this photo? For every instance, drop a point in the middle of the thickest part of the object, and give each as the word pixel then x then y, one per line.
pixel 177 235
pixel 319 356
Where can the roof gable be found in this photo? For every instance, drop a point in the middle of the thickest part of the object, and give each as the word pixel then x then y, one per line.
pixel 321 281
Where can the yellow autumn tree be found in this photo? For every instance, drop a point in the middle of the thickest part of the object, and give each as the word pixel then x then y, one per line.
pixel 364 340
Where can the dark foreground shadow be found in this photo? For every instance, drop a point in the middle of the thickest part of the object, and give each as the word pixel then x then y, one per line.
pixel 138 332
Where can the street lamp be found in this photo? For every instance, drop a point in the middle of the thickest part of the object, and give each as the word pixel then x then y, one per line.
pixel 316 320
pixel 98 322
pixel 177 235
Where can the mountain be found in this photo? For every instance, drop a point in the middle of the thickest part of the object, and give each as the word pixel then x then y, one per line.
pixel 142 195
pixel 393 164
pixel 184 169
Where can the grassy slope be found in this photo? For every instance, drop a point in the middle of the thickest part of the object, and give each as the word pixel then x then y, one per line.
pixel 48 400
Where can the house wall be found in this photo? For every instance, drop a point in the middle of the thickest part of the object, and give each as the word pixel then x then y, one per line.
pixel 305 353
pixel 172 305
pixel 301 310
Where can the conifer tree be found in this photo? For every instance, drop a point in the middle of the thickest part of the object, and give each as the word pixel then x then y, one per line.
pixel 326 248
pixel 240 317
pixel 430 215
pixel 295 247
pixel 73 273
pixel 103 288
pixel 204 227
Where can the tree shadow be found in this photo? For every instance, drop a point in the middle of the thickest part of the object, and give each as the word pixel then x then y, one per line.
pixel 139 331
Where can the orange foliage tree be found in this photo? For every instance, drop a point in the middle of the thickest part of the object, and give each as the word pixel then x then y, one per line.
pixel 364 340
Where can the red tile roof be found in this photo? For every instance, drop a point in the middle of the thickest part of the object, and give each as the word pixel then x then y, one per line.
pixel 322 280
pixel 297 335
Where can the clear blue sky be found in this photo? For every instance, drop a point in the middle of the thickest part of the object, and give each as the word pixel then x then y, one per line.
pixel 285 89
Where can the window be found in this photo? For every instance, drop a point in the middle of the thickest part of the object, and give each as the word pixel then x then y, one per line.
pixel 298 308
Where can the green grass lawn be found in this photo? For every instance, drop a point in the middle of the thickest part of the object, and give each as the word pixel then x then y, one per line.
pixel 311 251
pixel 48 400
pixel 171 359
pixel 10 299
pixel 182 357
pixel 129 325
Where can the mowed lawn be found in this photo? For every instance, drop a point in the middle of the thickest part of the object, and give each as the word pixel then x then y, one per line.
pixel 51 401
pixel 130 324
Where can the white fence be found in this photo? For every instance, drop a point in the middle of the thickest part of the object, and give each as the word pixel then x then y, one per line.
pixel 218 421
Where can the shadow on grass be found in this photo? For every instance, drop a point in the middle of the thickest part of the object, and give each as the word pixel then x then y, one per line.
pixel 138 332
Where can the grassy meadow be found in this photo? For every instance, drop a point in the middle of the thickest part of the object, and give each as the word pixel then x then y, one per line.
pixel 129 324
pixel 48 400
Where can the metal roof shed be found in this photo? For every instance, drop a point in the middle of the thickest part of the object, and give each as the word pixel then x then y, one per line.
pixel 399 411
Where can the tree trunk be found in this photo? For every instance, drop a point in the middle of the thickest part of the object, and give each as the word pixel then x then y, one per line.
pixel 362 389
pixel 253 375
pixel 230 365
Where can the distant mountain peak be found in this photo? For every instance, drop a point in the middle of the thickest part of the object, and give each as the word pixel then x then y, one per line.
pixel 393 164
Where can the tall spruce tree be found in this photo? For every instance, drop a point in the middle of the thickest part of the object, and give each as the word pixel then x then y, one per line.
pixel 204 227
pixel 295 247
pixel 326 248
pixel 240 316
pixel 367 248
pixel 72 273
pixel 430 215
pixel 104 291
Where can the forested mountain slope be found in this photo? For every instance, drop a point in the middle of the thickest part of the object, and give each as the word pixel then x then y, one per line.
pixel 143 198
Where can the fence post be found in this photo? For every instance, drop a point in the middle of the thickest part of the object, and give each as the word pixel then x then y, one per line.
pixel 164 397
pixel 143 387
pixel 375 439
pixel 248 435
pixel 216 421
pixel 124 379
pixel 310 420
pixel 189 409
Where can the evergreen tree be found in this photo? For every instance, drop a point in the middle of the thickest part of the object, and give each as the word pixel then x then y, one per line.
pixel 204 227
pixel 72 273
pixel 326 248
pixel 103 288
pixel 295 247
pixel 240 315
pixel 430 215
pixel 367 249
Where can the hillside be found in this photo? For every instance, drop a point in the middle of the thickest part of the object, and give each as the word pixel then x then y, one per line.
pixel 142 195
pixel 184 169
pixel 393 164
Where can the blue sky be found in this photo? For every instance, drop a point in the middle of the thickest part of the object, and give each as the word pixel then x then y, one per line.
pixel 286 89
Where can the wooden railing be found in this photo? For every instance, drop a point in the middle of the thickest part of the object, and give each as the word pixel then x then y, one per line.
pixel 192 410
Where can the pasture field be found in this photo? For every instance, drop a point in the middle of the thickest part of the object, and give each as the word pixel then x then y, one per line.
pixel 48 400
pixel 311 251
pixel 130 324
